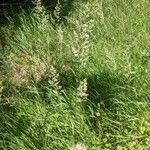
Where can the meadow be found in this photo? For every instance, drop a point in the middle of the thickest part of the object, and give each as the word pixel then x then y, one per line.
pixel 76 77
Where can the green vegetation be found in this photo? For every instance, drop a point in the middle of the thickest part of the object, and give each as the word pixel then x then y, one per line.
pixel 77 78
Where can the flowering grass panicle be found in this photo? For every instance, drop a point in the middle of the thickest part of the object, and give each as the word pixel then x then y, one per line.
pixel 56 18
pixel 81 42
pixel 40 12
pixel 79 146
pixel 19 74
pixel 26 67
pixel 1 89
pixel 60 35
pixel 57 11
pixel 82 91
pixel 53 79
pixel 57 25
pixel 39 70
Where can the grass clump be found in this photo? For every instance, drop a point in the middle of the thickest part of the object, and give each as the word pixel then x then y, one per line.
pixel 77 82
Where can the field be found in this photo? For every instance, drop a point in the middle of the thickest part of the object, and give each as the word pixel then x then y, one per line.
pixel 76 77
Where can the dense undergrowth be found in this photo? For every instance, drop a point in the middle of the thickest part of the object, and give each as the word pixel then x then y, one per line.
pixel 78 81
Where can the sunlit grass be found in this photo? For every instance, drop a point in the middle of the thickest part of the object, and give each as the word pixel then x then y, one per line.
pixel 79 82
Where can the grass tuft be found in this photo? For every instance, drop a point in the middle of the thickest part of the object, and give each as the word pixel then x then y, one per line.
pixel 76 82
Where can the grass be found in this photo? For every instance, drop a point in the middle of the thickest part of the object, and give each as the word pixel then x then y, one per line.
pixel 79 81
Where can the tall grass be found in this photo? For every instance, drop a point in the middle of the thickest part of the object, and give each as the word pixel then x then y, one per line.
pixel 77 82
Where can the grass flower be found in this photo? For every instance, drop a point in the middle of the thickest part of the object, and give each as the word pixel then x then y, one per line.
pixel 82 91
pixel 53 79
pixel 56 16
pixel 81 41
pixel 79 146
pixel 40 13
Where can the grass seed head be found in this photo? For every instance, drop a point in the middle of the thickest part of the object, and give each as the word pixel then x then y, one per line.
pixel 79 146
pixel 82 91
pixel 40 13
pixel 81 39
pixel 53 79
